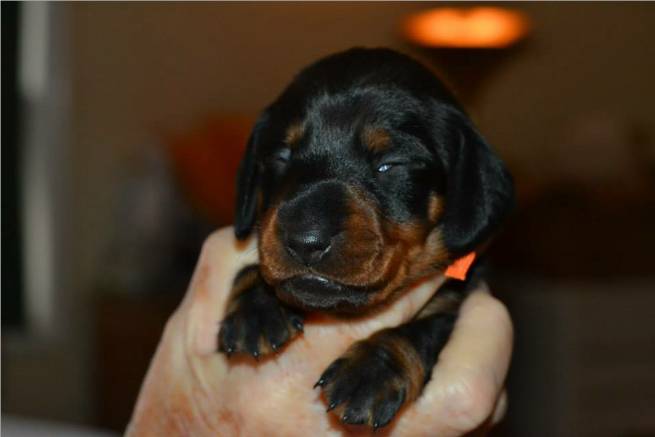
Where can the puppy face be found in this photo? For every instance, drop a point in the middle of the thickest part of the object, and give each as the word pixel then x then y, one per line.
pixel 362 177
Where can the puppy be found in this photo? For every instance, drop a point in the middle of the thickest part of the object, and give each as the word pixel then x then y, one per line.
pixel 361 178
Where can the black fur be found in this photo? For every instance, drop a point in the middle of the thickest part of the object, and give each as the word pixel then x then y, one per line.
pixel 433 149
pixel 247 182
pixel 395 92
pixel 373 384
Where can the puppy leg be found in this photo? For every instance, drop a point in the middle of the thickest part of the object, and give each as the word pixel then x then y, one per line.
pixel 370 382
pixel 256 323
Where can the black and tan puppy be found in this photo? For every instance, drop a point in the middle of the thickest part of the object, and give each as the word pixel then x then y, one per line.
pixel 361 178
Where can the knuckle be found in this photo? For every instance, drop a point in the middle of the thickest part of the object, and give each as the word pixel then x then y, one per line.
pixel 469 401
pixel 494 313
pixel 498 312
pixel 216 240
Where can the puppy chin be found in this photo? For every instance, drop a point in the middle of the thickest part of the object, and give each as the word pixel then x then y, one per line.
pixel 316 293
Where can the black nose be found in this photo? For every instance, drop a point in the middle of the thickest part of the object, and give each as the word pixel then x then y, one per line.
pixel 308 246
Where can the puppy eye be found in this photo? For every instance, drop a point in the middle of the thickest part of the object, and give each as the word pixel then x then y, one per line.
pixel 384 168
pixel 390 165
pixel 283 155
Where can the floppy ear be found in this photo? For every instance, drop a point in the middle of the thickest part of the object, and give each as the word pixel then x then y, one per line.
pixel 248 180
pixel 479 191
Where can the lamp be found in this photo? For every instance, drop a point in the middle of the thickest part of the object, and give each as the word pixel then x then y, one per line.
pixel 467 44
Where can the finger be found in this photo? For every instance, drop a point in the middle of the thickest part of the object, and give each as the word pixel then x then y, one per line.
pixel 221 257
pixel 501 408
pixel 191 330
pixel 468 378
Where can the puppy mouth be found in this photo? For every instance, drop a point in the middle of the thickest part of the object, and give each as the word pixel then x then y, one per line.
pixel 314 292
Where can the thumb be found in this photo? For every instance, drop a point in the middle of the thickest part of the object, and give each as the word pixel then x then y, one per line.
pixel 221 257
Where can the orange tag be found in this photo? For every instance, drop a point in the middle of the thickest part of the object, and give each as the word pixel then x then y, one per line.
pixel 460 267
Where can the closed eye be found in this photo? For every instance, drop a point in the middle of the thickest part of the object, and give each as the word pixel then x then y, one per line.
pixel 279 160
pixel 385 167
pixel 283 155
pixel 389 165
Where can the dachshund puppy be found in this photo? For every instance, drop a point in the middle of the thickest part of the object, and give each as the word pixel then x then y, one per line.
pixel 363 177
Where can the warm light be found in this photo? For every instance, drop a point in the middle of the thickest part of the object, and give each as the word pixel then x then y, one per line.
pixel 205 160
pixel 478 27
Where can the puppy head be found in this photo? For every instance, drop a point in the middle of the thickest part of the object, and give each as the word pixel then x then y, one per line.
pixel 363 176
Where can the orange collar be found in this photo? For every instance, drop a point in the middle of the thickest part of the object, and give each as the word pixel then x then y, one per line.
pixel 460 267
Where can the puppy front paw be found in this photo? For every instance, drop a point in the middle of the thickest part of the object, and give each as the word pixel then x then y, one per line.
pixel 372 380
pixel 257 323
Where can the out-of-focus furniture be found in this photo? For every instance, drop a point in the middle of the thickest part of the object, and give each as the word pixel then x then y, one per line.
pixel 128 331
pixel 584 357
pixel 575 267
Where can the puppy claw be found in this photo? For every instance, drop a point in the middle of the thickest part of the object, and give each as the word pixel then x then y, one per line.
pixel 298 323
pixel 371 384
pixel 259 323
pixel 331 407
pixel 319 383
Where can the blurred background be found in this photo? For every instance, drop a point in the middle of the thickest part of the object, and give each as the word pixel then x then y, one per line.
pixel 123 124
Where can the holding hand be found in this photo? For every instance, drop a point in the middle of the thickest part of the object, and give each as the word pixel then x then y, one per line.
pixel 192 390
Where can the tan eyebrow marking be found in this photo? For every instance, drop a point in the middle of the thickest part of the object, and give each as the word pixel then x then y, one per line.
pixel 435 207
pixel 376 139
pixel 293 134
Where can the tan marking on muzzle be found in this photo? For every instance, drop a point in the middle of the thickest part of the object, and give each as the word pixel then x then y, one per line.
pixel 375 254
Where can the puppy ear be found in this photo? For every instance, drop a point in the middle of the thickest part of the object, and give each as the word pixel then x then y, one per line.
pixel 248 181
pixel 479 191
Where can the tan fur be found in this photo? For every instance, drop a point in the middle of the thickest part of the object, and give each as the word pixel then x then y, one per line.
pixel 441 303
pixel 274 265
pixel 373 253
pixel 402 351
pixel 435 208
pixel 242 283
pixel 376 139
pixel 405 354
pixel 293 134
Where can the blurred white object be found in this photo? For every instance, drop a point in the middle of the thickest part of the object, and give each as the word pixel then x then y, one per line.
pixel 13 426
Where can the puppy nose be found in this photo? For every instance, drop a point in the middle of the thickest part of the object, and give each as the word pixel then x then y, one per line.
pixel 308 247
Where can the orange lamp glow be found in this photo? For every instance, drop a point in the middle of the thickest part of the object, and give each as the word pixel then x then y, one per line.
pixel 476 27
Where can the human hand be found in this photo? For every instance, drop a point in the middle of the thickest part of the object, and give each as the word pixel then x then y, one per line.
pixel 192 390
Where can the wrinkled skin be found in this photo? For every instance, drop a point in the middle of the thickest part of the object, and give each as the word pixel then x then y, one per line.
pixel 192 390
